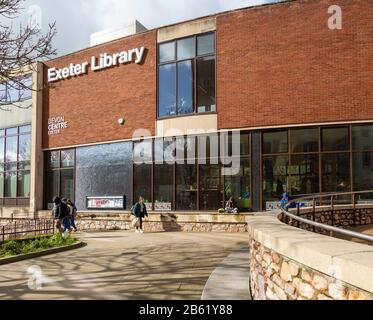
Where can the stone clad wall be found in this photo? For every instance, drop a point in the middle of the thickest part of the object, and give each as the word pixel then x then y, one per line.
pixel 163 221
pixel 275 277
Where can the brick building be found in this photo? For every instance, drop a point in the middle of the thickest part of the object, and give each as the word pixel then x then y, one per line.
pixel 247 104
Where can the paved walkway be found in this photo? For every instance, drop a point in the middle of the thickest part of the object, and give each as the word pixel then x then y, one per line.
pixel 123 265
pixel 230 280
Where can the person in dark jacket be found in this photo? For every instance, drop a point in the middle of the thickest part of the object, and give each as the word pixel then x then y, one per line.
pixel 61 214
pixel 139 211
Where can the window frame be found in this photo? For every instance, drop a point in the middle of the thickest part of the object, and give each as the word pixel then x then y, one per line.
pixel 176 62
pixel 20 98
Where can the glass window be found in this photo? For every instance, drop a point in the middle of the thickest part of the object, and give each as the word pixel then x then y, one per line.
pixel 334 139
pixel 54 159
pixel 24 148
pixel 52 186
pixel 186 187
pixel 275 142
pixel 186 48
pixel 210 191
pixel 24 184
pixel 206 84
pixel 10 184
pixel 275 177
pixel 304 140
pixel 163 186
pixel 11 131
pixel 363 171
pixel 304 174
pixel 67 184
pixel 185 87
pixel 336 172
pixel 25 129
pixel 167 52
pixel 3 94
pixel 237 186
pixel 362 137
pixel 167 90
pixel 11 149
pixel 104 170
pixel 26 87
pixel 2 151
pixel 2 132
pixel 13 91
pixel 142 182
pixel 67 158
pixel 1 184
pixel 206 44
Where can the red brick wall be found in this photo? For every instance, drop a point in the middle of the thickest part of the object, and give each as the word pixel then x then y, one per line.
pixel 281 64
pixel 93 103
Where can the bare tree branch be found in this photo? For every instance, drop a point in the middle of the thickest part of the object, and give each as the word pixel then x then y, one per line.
pixel 20 48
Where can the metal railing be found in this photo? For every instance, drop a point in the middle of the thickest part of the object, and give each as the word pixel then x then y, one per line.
pixel 13 228
pixel 332 203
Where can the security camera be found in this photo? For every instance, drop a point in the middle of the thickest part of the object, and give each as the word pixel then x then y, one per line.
pixel 121 121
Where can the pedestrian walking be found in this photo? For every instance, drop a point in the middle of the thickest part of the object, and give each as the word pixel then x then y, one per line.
pixel 60 213
pixel 139 211
pixel 72 214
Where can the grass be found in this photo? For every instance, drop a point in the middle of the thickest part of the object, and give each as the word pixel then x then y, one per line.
pixel 10 248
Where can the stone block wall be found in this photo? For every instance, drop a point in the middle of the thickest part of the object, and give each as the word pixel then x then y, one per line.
pixel 275 277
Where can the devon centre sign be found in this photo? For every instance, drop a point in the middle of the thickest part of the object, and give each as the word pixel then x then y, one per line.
pixel 102 62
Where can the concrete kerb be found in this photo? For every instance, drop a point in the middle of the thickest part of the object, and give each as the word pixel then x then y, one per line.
pixel 38 254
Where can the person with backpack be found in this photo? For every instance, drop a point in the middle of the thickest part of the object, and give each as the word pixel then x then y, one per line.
pixel 60 213
pixel 72 213
pixel 139 211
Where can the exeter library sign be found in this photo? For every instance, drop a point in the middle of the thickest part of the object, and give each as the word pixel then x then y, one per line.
pixel 102 62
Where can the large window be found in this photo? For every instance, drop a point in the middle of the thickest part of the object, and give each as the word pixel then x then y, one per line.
pixel 186 76
pixel 60 175
pixel 15 157
pixel 13 91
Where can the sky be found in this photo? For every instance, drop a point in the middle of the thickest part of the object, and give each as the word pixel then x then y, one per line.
pixel 77 19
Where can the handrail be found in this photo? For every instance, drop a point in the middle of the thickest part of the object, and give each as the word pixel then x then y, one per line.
pixel 314 224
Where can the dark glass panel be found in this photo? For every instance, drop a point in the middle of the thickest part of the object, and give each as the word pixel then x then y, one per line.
pixel 167 90
pixel 67 184
pixel 275 142
pixel 186 187
pixel 304 171
pixel 185 71
pixel 334 139
pixel 11 149
pixel 362 137
pixel 206 84
pixel 24 148
pixel 104 170
pixel 10 184
pixel 237 185
pixel 54 159
pixel 363 172
pixel 163 186
pixel 210 191
pixel 336 172
pixel 167 52
pixel 142 182
pixel 143 151
pixel 206 44
pixel 275 177
pixel 186 48
pixel 304 140
pixel 53 186
pixel 24 184
pixel 67 158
